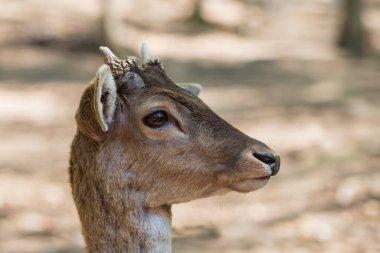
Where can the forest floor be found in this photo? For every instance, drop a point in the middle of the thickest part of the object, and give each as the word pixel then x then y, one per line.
pixel 322 115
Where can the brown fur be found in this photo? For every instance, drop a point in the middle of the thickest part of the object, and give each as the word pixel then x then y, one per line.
pixel 125 180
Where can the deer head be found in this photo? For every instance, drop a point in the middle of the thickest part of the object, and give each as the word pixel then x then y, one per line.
pixel 160 140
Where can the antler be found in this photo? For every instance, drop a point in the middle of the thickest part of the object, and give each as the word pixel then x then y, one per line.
pixel 147 60
pixel 145 53
pixel 118 67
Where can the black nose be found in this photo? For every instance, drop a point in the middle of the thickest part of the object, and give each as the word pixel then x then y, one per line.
pixel 273 160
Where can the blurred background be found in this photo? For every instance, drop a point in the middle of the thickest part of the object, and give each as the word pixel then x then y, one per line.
pixel 302 76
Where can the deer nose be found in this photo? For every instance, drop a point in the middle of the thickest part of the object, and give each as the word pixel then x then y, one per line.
pixel 271 159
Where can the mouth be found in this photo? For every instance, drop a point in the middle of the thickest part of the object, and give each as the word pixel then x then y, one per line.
pixel 249 185
pixel 262 178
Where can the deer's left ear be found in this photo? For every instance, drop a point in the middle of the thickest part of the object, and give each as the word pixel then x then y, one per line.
pixel 194 88
pixel 105 97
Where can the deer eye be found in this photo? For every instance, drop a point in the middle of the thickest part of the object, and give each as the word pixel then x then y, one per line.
pixel 156 119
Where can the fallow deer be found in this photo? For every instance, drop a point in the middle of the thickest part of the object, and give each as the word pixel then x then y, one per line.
pixel 144 143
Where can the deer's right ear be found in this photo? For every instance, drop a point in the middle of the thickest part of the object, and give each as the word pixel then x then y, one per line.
pixel 97 106
pixel 104 97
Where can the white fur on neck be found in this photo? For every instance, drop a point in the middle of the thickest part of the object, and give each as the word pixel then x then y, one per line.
pixel 158 228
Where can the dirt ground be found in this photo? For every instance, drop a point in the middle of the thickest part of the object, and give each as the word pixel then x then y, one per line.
pixel 294 91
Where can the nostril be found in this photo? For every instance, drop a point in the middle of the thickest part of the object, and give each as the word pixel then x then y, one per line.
pixel 270 159
pixel 266 158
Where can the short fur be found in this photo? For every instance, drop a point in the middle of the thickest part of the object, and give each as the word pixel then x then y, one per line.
pixel 125 176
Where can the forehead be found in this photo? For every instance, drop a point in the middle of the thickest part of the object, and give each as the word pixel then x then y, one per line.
pixel 158 83
pixel 155 77
pixel 176 95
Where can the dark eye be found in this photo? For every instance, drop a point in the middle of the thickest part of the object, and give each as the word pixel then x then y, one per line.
pixel 156 119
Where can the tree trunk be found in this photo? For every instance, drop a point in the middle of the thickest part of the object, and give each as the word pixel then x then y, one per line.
pixel 196 16
pixel 353 36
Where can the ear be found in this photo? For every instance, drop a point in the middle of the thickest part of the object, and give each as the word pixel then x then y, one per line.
pixel 104 97
pixel 194 88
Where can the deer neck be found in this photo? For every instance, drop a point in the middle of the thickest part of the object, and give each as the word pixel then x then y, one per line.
pixel 140 231
pixel 113 215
